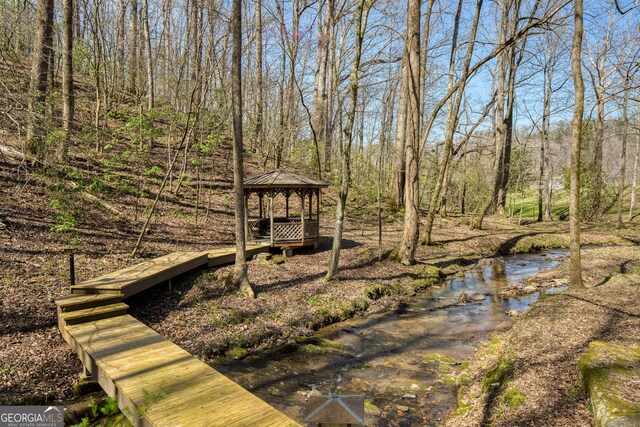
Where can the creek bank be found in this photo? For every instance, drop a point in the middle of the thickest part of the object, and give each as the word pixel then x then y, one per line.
pixel 539 354
pixel 404 362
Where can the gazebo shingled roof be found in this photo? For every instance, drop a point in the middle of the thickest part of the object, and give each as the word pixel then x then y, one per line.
pixel 282 179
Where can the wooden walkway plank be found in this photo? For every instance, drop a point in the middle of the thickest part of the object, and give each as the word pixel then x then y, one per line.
pixel 139 277
pixel 223 256
pixel 153 376
pixel 155 382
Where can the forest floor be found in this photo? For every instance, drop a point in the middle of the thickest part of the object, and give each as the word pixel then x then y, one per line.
pixel 41 215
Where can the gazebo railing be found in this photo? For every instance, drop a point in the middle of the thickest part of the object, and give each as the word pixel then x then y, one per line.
pixel 284 229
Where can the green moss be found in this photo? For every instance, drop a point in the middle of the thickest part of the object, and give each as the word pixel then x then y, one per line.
pixel 434 271
pixel 500 374
pixel 313 349
pixel 375 292
pixel 437 359
pixel 449 379
pixel 317 341
pixel 236 353
pixel 369 407
pixel 606 368
pixel 463 379
pixel 513 398
pixel 463 406
pixel 394 255
pixel 278 260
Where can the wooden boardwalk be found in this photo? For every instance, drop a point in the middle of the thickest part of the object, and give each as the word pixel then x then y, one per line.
pixel 155 382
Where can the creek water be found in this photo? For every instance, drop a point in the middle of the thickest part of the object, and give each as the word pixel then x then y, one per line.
pixel 401 361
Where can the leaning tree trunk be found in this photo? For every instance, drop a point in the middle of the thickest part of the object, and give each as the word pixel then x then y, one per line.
pixel 240 277
pixel 576 143
pixel 345 175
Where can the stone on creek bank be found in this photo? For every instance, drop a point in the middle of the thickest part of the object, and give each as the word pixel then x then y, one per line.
pixel 465 298
pixel 611 375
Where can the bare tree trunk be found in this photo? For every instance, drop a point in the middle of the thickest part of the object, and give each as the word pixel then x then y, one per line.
pixel 362 15
pixel 147 39
pixel 634 181
pixel 401 133
pixel 623 149
pixel 426 31
pixel 318 120
pixel 121 36
pixel 258 132
pixel 331 85
pixel 134 47
pixel 544 141
pixel 407 249
pixel 38 90
pixel 576 137
pixel 241 278
pixel 68 100
pixel 596 163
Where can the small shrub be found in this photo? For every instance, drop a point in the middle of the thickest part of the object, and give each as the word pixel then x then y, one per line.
pixel 110 407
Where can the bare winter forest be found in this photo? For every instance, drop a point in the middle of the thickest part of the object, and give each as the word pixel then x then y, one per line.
pixel 451 135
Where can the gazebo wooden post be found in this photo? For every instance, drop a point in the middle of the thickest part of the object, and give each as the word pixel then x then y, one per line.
pixel 260 196
pixel 318 208
pixel 311 204
pixel 286 195
pixel 271 215
pixel 302 197
pixel 246 216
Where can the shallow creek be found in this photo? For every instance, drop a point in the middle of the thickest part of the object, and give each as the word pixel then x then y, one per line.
pixel 401 361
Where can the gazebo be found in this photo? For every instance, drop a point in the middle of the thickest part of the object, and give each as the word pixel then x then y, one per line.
pixel 293 226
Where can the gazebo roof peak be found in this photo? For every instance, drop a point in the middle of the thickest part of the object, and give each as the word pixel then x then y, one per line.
pixel 280 178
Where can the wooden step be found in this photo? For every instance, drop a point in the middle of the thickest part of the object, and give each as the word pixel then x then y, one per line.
pixel 75 302
pixel 94 313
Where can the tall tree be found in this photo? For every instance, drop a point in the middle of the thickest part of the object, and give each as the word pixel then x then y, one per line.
pixel 149 57
pixel 576 144
pixel 68 99
pixel 623 145
pixel 319 119
pixel 362 15
pixel 258 131
pixel 407 248
pixel 38 89
pixel 133 47
pixel 240 277
pixel 401 134
pixel 548 72
pixel 634 180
